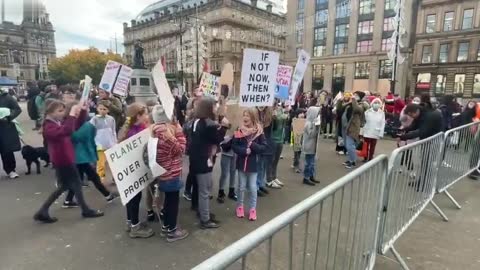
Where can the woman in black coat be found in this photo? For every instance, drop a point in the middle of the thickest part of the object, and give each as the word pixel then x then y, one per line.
pixel 9 139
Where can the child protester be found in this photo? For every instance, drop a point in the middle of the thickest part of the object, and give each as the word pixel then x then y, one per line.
pixel 248 143
pixel 374 127
pixel 297 145
pixel 170 150
pixel 106 135
pixel 137 116
pixel 310 136
pixel 57 131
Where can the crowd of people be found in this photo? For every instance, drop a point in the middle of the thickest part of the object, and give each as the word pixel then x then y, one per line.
pixel 77 134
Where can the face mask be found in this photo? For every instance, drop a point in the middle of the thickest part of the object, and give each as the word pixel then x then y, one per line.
pixel 415 101
pixel 471 105
pixel 376 106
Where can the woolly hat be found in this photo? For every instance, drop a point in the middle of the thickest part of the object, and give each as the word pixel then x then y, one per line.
pixel 159 115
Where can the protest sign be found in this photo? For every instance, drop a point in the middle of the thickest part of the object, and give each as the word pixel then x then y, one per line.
pixel 298 125
pixel 163 90
pixel 209 84
pixel 284 77
pixel 259 78
pixel 300 68
pixel 87 85
pixel 128 165
pixel 116 78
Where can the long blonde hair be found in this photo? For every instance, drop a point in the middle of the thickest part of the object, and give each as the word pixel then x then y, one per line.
pixel 133 112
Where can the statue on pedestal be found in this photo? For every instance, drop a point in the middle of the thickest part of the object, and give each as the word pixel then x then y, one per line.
pixel 138 60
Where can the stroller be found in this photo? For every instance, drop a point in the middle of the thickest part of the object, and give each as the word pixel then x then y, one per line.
pixel 392 125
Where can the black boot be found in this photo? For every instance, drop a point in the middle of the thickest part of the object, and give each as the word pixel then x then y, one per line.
pixel 308 182
pixel 221 196
pixel 314 181
pixel 231 194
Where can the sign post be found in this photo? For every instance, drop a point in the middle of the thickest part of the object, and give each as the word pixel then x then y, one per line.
pixel 259 78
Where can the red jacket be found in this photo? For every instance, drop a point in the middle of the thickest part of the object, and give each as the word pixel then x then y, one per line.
pixel 399 104
pixel 170 153
pixel 58 137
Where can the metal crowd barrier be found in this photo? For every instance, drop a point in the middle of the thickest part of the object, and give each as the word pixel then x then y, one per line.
pixel 460 157
pixel 336 228
pixel 412 175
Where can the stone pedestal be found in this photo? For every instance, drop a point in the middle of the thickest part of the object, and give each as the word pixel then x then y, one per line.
pixel 142 88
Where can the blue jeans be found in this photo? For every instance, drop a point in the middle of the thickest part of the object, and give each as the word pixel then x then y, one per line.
pixel 227 172
pixel 246 181
pixel 262 171
pixel 309 170
pixel 351 146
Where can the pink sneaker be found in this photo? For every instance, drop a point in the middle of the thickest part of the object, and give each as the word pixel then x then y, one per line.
pixel 240 212
pixel 253 214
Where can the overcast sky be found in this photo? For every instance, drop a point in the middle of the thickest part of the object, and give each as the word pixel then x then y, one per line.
pixel 83 23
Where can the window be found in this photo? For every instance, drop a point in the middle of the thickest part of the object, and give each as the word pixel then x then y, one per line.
pixel 343 9
pixel 467 22
pixel 386 44
pixel 321 16
pixel 427 54
pixel 362 70
pixel 133 81
pixel 430 25
pixel 476 84
pixel 462 52
pixel 341 30
pixel 4 73
pixel 390 4
pixel 440 84
pixel 299 36
pixel 448 21
pixel 388 24
pixel 365 27
pixel 144 81
pixel 338 70
pixel 319 50
pixel 443 54
pixel 340 48
pixel 320 33
pixel 301 4
pixel 385 69
pixel 367 6
pixel 319 2
pixel 318 71
pixel 364 46
pixel 459 83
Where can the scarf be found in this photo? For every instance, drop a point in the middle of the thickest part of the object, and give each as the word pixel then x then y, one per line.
pixel 251 132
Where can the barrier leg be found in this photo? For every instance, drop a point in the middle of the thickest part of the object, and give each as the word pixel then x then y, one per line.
pixel 399 258
pixel 452 199
pixel 439 211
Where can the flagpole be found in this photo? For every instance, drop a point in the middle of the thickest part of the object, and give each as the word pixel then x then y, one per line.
pixel 397 40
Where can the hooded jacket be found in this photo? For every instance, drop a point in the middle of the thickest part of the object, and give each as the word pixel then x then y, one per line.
pixel 374 122
pixel 310 131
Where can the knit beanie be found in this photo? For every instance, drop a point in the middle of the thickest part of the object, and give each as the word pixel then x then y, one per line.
pixel 159 115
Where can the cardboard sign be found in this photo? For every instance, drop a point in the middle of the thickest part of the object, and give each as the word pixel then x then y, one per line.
pixel 209 84
pixel 87 85
pixel 298 125
pixel 284 77
pixel 163 90
pixel 129 166
pixel 259 78
pixel 116 78
pixel 300 68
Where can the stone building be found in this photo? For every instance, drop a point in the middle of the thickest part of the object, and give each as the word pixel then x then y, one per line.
pixel 27 48
pixel 348 41
pixel 447 49
pixel 224 28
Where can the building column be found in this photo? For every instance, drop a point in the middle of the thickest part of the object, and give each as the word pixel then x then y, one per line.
pixel 349 76
pixel 373 78
pixel 327 77
pixel 353 29
pixel 378 26
pixel 330 28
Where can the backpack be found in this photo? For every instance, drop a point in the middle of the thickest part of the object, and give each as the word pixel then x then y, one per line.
pixel 32 109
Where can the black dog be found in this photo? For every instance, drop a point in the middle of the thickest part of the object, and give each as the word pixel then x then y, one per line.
pixel 33 154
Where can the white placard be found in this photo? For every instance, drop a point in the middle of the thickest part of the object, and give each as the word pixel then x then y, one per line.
pixel 129 166
pixel 87 85
pixel 116 78
pixel 300 68
pixel 259 78
pixel 163 89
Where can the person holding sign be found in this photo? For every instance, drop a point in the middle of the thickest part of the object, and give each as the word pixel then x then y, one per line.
pixel 57 130
pixel 310 136
pixel 248 143
pixel 205 136
pixel 137 116
pixel 278 132
pixel 170 149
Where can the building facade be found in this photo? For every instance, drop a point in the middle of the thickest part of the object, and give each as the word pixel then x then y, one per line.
pixel 447 49
pixel 348 41
pixel 26 49
pixel 221 28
